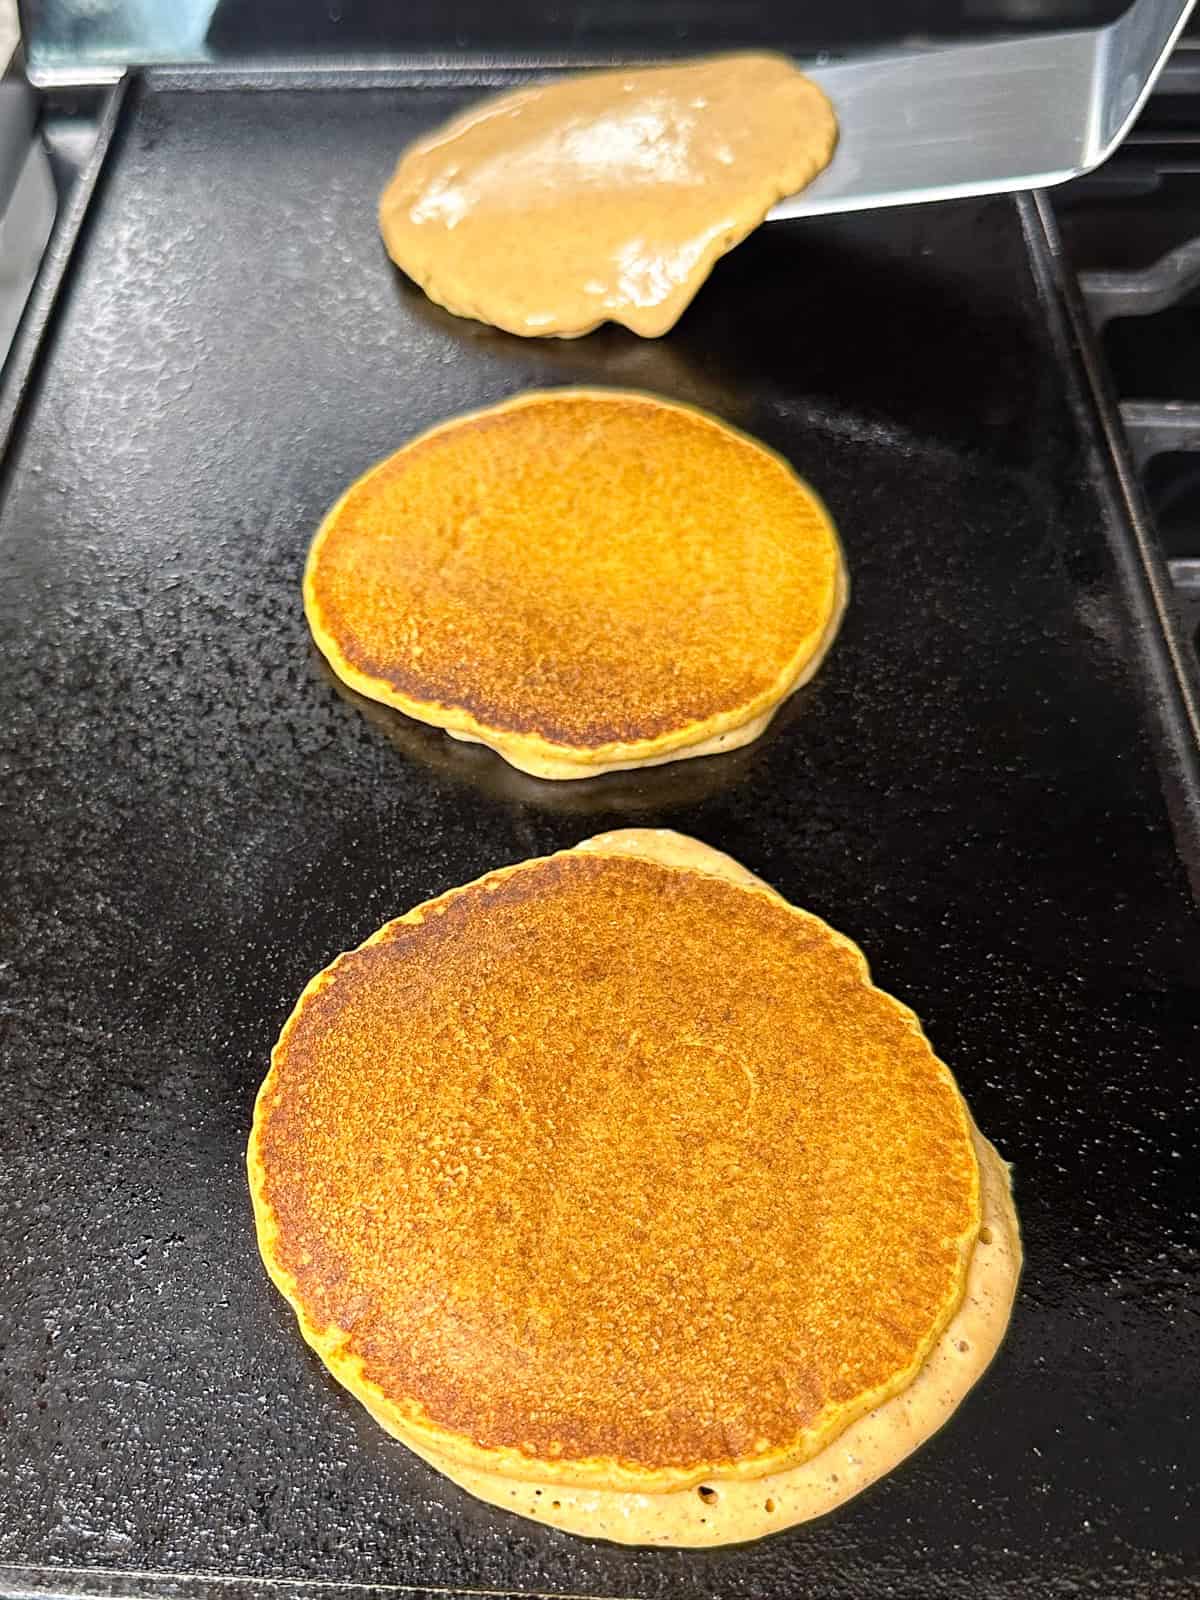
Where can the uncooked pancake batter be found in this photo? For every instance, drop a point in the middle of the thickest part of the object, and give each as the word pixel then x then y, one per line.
pixel 606 196
pixel 601 1234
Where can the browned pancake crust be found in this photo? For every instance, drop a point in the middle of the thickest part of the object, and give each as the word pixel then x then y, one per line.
pixel 583 572
pixel 616 1171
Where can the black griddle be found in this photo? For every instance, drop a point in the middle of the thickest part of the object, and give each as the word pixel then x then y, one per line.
pixel 197 818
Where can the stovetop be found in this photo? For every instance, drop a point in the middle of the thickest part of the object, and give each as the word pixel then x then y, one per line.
pixel 988 786
pixel 1131 233
pixel 68 30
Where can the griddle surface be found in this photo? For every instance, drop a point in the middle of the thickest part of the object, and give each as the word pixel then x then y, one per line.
pixel 198 820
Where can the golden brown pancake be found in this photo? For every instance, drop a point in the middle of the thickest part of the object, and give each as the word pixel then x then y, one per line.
pixel 608 195
pixel 612 1174
pixel 731 1512
pixel 584 579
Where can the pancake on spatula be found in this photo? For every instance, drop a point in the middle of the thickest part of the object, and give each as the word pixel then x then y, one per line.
pixel 608 195
pixel 586 580
pixel 611 1185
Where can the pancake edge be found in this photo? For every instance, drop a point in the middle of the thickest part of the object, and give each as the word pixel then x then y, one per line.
pixel 407 1420
pixel 865 1452
pixel 530 752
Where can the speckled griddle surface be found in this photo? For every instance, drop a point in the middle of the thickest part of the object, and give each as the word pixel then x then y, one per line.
pixel 197 819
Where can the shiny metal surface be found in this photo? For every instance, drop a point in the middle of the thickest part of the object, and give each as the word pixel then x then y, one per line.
pixel 27 199
pixel 25 223
pixel 67 38
pixel 986 118
pixel 1146 292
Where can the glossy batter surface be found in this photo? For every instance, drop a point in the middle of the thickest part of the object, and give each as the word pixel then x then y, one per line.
pixel 611 1172
pixel 606 196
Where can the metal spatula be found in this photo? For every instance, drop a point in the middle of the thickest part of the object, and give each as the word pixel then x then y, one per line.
pixel 983 118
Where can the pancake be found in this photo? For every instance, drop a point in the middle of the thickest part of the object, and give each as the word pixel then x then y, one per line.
pixel 612 1175
pixel 730 1513
pixel 604 196
pixel 585 580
